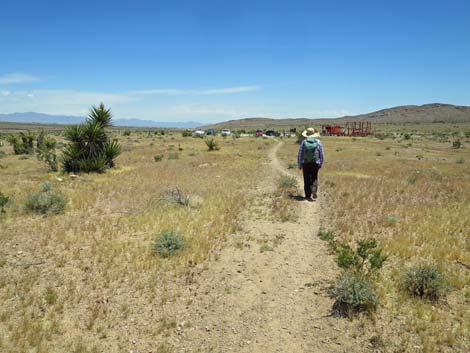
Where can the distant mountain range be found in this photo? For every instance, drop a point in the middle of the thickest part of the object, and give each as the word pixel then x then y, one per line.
pixel 428 113
pixel 31 117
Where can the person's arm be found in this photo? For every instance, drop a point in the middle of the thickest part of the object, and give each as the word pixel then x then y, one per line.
pixel 300 155
pixel 320 152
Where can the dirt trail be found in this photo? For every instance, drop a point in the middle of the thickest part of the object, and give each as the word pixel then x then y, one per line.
pixel 270 301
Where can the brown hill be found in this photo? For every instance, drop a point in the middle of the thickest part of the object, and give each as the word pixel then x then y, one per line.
pixel 428 113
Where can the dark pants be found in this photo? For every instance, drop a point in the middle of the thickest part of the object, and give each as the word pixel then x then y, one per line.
pixel 310 171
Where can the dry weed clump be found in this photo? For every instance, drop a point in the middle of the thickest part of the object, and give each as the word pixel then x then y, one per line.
pixel 89 280
pixel 418 211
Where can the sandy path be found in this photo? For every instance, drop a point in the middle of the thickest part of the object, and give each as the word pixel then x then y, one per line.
pixel 272 301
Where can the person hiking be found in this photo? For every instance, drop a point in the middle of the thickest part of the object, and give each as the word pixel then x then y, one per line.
pixel 310 159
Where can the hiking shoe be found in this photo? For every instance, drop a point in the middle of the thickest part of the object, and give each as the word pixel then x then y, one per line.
pixel 310 199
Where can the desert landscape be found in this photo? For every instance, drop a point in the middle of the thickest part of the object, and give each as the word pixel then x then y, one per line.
pixel 245 265
pixel 234 176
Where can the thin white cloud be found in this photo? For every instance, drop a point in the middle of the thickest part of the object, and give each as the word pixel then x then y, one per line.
pixel 196 92
pixel 17 77
pixel 57 101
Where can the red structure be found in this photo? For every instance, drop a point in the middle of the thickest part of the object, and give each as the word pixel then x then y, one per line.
pixel 332 130
pixel 354 128
pixel 358 128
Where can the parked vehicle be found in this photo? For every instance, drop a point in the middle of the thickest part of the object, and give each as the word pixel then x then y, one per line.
pixel 211 132
pixel 226 132
pixel 259 133
pixel 199 133
pixel 272 133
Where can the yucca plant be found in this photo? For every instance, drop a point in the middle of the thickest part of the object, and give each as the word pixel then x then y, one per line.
pixel 22 143
pixel 112 149
pixel 90 149
pixel 212 144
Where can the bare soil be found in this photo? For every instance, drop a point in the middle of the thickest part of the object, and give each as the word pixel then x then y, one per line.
pixel 252 300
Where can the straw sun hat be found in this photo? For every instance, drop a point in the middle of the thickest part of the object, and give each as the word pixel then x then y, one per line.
pixel 311 132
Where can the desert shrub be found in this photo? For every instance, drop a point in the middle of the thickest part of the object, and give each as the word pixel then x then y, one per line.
pixel 212 144
pixel 329 237
pixel 50 296
pixel 353 294
pixel 326 235
pixel 45 148
pixel 2 154
pixel 458 161
pixel 173 155
pixel 412 179
pixel 456 144
pixel 187 133
pixel 292 165
pixel 89 148
pixel 3 202
pixel 365 260
pixel 45 187
pixel 158 157
pixel 127 133
pixel 22 143
pixel 391 220
pixel 176 195
pixel 45 201
pixel 407 136
pixel 287 182
pixel 424 281
pixel 168 243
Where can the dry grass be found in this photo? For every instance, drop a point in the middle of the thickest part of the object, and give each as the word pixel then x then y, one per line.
pixel 88 280
pixel 414 198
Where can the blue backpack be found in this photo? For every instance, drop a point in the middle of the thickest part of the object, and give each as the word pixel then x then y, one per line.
pixel 311 153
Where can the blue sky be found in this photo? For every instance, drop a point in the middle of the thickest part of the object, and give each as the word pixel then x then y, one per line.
pixel 216 60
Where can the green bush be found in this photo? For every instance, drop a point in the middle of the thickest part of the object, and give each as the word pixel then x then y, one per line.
pixel 287 182
pixel 2 154
pixel 212 144
pixel 365 260
pixel 353 294
pixel 158 157
pixel 425 281
pixel 329 237
pixel 456 144
pixel 3 201
pixel 45 151
pixel 326 235
pixel 412 179
pixel 168 243
pixel 22 143
pixel 187 133
pixel 45 202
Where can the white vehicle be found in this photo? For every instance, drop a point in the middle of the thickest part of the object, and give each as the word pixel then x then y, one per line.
pixel 199 132
pixel 225 132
